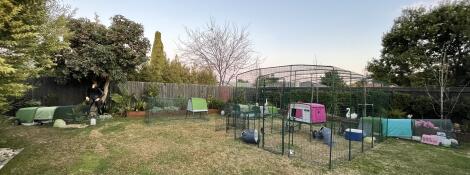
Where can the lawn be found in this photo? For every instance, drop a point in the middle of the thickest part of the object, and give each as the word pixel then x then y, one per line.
pixel 129 146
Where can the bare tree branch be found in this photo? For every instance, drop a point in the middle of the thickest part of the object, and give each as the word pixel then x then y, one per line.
pixel 457 98
pixel 226 49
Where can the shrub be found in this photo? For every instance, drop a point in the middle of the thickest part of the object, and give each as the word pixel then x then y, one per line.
pixel 214 103
pixel 121 103
pixel 138 104
pixel 396 113
pixel 152 90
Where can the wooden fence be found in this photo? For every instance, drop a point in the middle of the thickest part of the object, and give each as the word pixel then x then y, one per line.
pixel 172 90
pixel 50 93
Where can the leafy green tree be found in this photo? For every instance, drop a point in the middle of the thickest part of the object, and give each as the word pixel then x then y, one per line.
pixel 423 39
pixel 332 79
pixel 176 72
pixel 31 32
pixel 203 76
pixel 155 69
pixel 101 53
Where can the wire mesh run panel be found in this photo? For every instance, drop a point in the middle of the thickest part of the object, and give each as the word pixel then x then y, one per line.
pixel 297 102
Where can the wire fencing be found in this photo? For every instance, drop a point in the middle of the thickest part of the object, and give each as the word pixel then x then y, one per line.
pixel 327 144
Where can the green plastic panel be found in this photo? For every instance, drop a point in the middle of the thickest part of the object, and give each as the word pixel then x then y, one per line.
pixel 45 113
pixel 199 104
pixel 26 115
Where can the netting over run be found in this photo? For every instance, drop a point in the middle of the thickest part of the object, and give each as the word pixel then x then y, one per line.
pixel 298 75
pixel 335 87
pixel 289 105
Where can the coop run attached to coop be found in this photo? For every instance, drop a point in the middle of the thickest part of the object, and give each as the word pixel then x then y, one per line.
pixel 308 112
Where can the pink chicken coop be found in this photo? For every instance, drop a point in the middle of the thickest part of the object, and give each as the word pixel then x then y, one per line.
pixel 307 112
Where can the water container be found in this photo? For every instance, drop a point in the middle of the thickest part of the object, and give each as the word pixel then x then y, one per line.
pixel 353 134
pixel 92 121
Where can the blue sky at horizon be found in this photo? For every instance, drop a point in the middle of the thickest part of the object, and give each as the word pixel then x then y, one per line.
pixel 344 33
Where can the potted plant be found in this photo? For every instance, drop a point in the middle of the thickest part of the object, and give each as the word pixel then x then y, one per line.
pixel 121 103
pixel 138 109
pixel 127 104
pixel 214 105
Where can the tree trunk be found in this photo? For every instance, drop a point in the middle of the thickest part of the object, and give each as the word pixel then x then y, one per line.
pixel 105 90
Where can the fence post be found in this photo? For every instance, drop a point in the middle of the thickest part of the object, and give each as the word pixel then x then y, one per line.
pixel 235 124
pixel 386 129
pixel 331 144
pixel 283 135
pixel 350 123
pixel 227 121
pixel 362 140
pixel 289 132
pixel 372 137
pixel 262 130
pixel 380 130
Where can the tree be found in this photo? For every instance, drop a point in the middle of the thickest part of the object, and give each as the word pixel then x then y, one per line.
pixel 177 72
pixel 420 40
pixel 31 32
pixel 428 47
pixel 203 76
pixel 332 79
pixel 101 53
pixel 226 49
pixel 154 70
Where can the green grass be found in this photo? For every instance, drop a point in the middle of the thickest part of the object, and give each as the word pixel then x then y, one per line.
pixel 129 146
pixel 114 128
pixel 408 157
pixel 90 163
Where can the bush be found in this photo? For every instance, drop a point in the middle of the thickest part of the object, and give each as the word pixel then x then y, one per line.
pixel 121 103
pixel 139 105
pixel 396 113
pixel 152 90
pixel 422 107
pixel 213 103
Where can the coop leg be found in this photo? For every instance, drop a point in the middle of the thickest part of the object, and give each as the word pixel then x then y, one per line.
pixel 311 132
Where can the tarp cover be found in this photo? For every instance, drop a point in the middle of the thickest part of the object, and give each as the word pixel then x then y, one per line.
pixel 397 128
pixel 432 126
pixel 367 123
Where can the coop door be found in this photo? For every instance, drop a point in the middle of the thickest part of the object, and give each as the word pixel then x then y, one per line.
pixel 306 115
pixel 298 113
pixel 319 115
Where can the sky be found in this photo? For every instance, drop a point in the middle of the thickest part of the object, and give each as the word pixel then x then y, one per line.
pixel 341 33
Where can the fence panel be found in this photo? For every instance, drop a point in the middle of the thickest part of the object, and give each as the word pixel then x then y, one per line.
pixel 172 90
pixel 50 93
